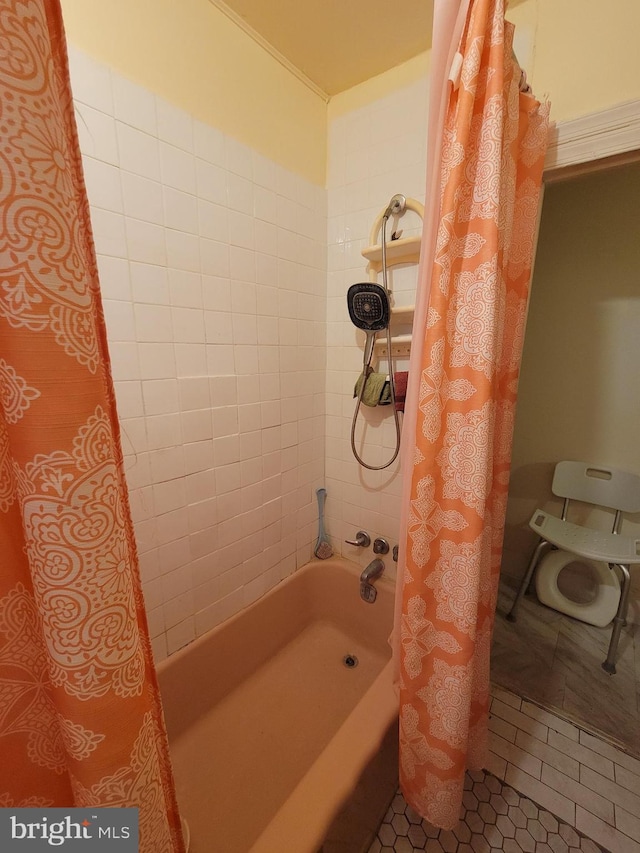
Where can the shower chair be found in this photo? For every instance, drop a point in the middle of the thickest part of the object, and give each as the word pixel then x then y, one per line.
pixel 604 487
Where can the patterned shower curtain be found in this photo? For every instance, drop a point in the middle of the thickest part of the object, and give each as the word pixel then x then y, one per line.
pixel 80 714
pixel 493 147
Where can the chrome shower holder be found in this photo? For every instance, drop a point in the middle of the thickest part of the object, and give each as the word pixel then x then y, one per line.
pixel 396 207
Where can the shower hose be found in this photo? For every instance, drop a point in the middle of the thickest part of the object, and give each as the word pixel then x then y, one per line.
pixel 366 370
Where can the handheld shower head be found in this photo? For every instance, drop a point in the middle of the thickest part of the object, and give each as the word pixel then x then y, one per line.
pixel 369 310
pixel 368 306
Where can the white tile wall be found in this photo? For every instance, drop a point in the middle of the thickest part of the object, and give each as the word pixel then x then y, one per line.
pixel 583 780
pixel 374 152
pixel 213 272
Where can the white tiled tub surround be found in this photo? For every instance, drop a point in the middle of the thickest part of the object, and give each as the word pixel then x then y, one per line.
pixel 580 778
pixel 205 247
pixel 375 151
pixel 213 272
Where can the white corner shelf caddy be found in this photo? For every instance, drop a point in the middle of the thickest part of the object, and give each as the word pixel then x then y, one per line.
pixel 405 250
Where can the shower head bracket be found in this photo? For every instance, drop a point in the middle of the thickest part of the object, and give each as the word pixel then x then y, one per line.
pixel 396 207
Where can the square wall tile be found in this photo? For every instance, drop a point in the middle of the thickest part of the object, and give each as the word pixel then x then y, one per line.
pixel 115 279
pixel 180 210
pixel 142 198
pixel 149 283
pixel 90 81
pixel 109 233
pixel 97 134
pixel 211 182
pixel 196 425
pixel 145 242
pixel 153 323
pixel 129 399
pixel 185 288
pixel 167 464
pixel 194 393
pixel 125 363
pixel 103 184
pixel 119 319
pixel 198 456
pixel 239 160
pixel 175 126
pixel 208 143
pixel 134 105
pixel 178 168
pixel 160 396
pixel 183 250
pixel 190 359
pixel 157 360
pixel 138 152
pixel 180 635
pixel 169 495
pixel 214 258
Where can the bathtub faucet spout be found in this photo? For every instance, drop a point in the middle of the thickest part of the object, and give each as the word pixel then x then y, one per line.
pixel 373 571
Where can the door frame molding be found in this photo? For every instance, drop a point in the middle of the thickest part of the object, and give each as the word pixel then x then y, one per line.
pixel 595 141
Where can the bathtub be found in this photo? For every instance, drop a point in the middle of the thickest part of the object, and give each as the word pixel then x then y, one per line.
pixel 277 745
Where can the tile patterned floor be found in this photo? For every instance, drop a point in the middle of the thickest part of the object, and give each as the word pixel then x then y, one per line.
pixel 555 661
pixel 493 818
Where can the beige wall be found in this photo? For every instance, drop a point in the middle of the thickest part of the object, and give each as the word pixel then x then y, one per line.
pixel 583 54
pixel 381 86
pixel 579 394
pixel 192 55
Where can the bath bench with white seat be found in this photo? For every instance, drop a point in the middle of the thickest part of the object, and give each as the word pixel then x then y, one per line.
pixel 604 487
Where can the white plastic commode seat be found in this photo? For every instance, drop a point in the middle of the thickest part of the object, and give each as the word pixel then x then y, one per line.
pixel 601 610
pixel 605 487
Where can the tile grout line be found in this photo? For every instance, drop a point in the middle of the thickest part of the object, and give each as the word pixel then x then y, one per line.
pixel 606 744
pixel 510 768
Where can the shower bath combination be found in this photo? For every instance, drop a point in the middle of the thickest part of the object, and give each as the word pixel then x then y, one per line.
pixel 370 311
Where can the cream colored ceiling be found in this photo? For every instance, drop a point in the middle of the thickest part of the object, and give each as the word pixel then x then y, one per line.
pixel 339 43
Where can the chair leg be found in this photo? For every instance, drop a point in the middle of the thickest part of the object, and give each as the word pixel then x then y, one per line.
pixel 619 621
pixel 540 548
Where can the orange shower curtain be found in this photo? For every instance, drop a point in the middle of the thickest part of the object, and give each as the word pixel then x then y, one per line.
pixel 492 157
pixel 80 714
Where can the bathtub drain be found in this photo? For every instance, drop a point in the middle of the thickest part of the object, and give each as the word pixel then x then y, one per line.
pixel 350 661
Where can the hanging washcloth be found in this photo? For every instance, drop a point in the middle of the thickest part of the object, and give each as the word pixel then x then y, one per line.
pixel 372 389
pixel 400 387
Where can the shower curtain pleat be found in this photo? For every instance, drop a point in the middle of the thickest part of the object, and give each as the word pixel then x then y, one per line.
pixel 81 719
pixel 458 433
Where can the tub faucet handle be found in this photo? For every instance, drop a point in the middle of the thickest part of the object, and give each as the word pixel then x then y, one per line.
pixel 380 546
pixel 362 540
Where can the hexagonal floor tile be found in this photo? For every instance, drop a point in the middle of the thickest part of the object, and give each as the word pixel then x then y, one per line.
pixel 494 819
